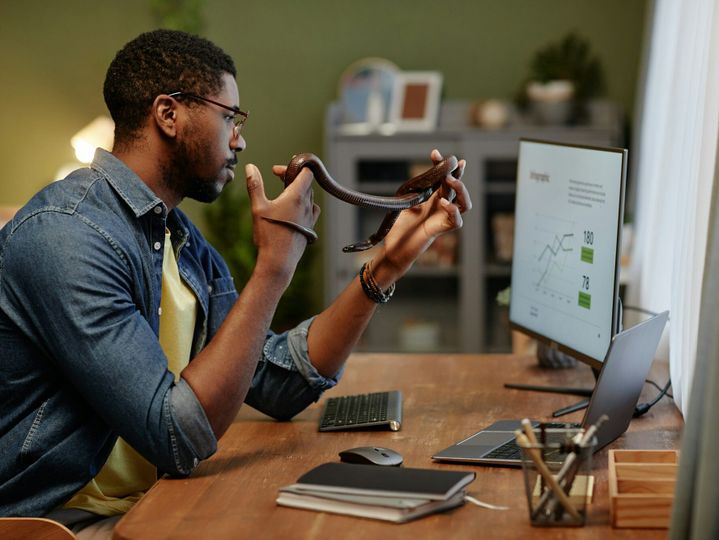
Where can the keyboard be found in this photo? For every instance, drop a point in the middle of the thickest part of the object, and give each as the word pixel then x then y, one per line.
pixel 511 450
pixel 381 410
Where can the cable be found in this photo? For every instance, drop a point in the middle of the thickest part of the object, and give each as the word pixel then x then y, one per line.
pixel 643 408
pixel 655 385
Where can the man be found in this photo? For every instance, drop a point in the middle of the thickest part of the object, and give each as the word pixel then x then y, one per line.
pixel 107 291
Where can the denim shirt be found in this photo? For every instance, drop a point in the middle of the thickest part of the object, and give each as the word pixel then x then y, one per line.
pixel 81 363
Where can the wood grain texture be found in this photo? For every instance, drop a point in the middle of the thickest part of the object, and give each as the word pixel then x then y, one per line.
pixel 446 399
pixel 641 487
pixel 26 528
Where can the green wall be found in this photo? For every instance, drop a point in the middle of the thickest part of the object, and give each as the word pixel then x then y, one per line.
pixel 289 54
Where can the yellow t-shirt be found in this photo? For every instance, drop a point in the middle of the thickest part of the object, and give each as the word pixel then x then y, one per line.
pixel 127 475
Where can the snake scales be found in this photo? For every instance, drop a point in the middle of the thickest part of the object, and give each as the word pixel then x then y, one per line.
pixel 414 191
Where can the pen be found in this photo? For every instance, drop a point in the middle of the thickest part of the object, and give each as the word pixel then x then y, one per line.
pixel 566 475
pixel 524 441
pixel 571 408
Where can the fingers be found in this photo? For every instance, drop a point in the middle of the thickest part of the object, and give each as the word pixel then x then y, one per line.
pixel 435 156
pixel 297 198
pixel 255 186
pixel 459 171
pixel 461 199
pixel 454 216
pixel 279 171
pixel 302 184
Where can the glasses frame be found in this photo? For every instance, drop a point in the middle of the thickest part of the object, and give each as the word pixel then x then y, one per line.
pixel 240 116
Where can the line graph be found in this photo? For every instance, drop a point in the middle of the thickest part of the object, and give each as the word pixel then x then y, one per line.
pixel 554 249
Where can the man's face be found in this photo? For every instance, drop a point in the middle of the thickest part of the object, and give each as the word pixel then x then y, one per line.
pixel 205 160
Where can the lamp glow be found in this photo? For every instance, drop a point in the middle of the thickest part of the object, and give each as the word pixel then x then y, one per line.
pixel 97 134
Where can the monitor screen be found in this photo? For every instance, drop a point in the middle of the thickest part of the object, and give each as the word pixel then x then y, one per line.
pixel 565 266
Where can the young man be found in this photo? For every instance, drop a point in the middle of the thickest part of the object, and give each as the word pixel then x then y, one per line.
pixel 126 350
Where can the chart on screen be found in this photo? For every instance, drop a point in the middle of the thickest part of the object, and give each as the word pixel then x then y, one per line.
pixel 567 224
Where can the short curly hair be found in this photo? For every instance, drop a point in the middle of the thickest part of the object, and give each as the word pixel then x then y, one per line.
pixel 157 62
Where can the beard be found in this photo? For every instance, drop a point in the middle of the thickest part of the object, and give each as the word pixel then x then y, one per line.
pixel 182 177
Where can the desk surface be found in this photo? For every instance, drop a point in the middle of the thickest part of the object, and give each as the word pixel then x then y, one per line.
pixel 446 398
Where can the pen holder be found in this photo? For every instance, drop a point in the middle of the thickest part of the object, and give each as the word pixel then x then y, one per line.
pixel 557 479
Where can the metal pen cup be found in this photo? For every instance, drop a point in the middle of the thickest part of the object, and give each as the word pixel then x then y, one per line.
pixel 557 479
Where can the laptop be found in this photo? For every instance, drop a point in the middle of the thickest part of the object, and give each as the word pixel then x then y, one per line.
pixel 616 393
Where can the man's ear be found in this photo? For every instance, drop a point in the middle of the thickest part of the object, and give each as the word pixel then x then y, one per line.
pixel 164 114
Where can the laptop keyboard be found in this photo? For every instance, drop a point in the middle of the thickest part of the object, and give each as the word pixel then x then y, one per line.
pixel 511 451
pixel 374 410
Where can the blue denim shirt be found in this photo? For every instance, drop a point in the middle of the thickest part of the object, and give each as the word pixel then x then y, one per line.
pixel 81 364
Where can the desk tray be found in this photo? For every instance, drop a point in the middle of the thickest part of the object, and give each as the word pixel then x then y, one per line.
pixel 641 487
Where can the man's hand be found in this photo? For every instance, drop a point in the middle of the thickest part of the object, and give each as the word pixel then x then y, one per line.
pixel 280 247
pixel 336 330
pixel 221 374
pixel 417 227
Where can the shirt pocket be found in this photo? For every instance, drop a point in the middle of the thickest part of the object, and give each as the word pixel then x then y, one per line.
pixel 222 296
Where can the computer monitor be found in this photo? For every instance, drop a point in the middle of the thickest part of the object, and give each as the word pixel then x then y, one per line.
pixel 565 268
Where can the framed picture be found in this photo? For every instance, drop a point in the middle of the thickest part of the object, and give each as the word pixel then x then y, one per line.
pixel 365 90
pixel 415 100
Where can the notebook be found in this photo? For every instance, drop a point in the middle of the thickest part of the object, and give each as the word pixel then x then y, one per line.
pixel 388 493
pixel 616 393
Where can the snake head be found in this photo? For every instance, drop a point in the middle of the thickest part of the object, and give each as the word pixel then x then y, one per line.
pixel 359 246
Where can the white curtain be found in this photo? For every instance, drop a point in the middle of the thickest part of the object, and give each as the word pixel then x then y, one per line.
pixel 674 173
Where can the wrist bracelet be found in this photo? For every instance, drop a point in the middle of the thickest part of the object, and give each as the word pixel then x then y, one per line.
pixel 370 287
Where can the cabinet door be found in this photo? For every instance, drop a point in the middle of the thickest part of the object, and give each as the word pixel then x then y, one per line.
pixel 424 313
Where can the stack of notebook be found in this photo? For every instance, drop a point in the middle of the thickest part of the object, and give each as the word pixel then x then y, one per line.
pixel 389 493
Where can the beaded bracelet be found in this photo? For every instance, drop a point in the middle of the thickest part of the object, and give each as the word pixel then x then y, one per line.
pixel 370 287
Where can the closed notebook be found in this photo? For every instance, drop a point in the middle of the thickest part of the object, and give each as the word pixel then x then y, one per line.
pixel 389 493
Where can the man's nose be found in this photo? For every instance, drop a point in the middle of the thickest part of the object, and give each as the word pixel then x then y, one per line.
pixel 238 144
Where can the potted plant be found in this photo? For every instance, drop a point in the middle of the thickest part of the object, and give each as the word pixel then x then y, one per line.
pixel 563 77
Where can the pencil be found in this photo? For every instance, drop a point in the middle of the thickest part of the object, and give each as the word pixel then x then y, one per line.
pixel 533 453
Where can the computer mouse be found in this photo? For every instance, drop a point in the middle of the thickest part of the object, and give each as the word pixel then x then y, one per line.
pixel 371 455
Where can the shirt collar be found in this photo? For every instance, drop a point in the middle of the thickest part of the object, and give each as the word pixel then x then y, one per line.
pixel 138 196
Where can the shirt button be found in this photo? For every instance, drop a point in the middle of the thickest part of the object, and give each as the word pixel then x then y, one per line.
pixel 158 209
pixel 157 246
pixel 159 311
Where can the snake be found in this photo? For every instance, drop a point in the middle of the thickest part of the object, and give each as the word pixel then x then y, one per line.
pixel 412 192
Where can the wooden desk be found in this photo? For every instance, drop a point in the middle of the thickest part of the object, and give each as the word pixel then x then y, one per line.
pixel 446 398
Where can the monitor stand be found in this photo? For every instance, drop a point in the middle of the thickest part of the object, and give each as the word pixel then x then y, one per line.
pixel 582 392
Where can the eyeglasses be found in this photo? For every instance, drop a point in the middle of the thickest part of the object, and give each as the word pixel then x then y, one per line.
pixel 239 118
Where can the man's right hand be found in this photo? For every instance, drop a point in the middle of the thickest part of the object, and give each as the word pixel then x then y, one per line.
pixel 279 247
pixel 221 374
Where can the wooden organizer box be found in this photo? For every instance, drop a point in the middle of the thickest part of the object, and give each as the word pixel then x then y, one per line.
pixel 641 487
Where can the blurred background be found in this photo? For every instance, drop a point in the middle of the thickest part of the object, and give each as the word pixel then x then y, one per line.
pixel 290 58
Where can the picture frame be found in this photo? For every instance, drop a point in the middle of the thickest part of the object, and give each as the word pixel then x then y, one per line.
pixel 365 90
pixel 416 100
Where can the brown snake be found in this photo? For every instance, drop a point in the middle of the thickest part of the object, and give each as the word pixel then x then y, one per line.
pixel 414 191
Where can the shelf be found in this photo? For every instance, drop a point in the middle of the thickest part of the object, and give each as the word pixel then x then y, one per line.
pixel 418 271
pixel 380 187
pixel 500 188
pixel 451 299
pixel 497 269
